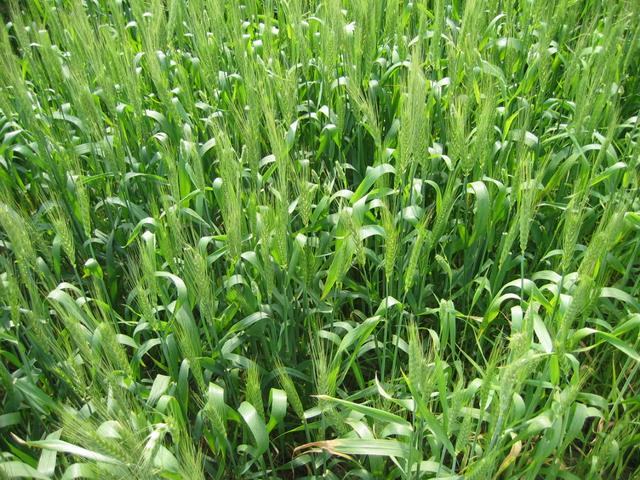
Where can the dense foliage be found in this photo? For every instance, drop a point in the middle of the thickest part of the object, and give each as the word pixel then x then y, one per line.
pixel 320 239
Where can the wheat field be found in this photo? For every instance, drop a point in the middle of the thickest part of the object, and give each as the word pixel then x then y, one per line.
pixel 300 239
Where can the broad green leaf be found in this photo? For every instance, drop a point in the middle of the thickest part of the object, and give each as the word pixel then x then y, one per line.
pixel 15 469
pixel 359 446
pixel 371 176
pixel 256 426
pixel 65 447
pixel 47 462
pixel 371 412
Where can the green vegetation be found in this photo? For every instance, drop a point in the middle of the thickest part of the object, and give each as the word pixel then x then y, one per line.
pixel 320 239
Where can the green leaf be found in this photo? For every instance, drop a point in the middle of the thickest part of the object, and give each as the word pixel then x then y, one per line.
pixel 21 470
pixel 341 262
pixel 65 447
pixel 278 401
pixel 482 209
pixel 620 345
pixel 79 470
pixel 47 462
pixel 179 284
pixel 371 176
pixel 256 426
pixel 358 334
pixel 374 413
pixel 160 385
pixel 10 419
pixel 361 446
